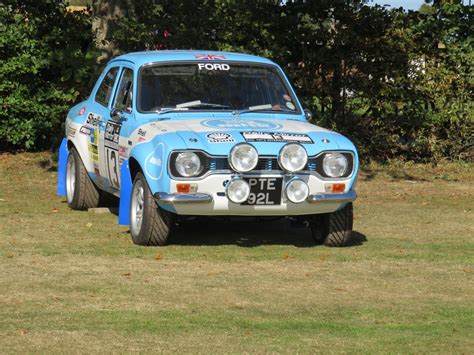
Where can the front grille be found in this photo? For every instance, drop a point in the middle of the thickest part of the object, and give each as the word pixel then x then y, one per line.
pixel 264 164
pixel 221 163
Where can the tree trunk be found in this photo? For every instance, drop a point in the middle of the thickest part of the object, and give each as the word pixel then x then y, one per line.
pixel 105 12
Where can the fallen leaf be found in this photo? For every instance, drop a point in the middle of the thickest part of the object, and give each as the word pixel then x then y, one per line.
pixel 466 268
pixel 339 289
pixel 23 331
pixel 287 257
pixel 158 256
pixel 425 203
pixel 322 257
pixel 54 210
pixel 88 225
pixel 127 274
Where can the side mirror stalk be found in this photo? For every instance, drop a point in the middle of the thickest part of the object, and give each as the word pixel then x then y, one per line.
pixel 117 115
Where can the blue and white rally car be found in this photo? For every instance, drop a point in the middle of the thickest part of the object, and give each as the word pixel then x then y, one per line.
pixel 175 133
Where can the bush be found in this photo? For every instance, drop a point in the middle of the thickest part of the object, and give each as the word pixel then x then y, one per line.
pixel 46 65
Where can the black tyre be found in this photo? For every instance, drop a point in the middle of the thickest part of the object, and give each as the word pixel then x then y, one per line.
pixel 81 192
pixel 333 229
pixel 149 224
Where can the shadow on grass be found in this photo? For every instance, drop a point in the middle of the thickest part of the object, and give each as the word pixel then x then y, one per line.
pixel 395 172
pixel 248 233
pixel 48 165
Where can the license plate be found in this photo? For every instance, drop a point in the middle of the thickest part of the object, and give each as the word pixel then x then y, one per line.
pixel 264 190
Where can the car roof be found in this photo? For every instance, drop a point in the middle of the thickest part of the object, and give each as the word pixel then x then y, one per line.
pixel 140 58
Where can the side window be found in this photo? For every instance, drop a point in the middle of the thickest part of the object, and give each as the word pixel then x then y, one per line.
pixel 105 89
pixel 123 99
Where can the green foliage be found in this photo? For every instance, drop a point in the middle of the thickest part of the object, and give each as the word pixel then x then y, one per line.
pixel 397 83
pixel 45 66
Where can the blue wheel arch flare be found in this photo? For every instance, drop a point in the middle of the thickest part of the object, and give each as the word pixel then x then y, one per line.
pixel 62 163
pixel 125 194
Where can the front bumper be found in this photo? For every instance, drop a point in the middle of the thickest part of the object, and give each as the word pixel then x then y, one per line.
pixel 206 204
pixel 164 197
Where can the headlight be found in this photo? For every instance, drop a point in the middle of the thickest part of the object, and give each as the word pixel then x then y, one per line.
pixel 237 190
pixel 334 164
pixel 293 157
pixel 243 157
pixel 188 164
pixel 297 190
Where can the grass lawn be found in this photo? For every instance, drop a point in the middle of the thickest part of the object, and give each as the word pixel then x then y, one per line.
pixel 73 281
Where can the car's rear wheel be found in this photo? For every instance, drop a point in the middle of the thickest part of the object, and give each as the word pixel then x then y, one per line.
pixel 333 229
pixel 149 224
pixel 81 192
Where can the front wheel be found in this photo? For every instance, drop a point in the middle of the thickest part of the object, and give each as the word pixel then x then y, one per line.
pixel 333 229
pixel 149 224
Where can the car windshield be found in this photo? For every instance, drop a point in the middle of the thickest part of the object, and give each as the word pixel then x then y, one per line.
pixel 214 86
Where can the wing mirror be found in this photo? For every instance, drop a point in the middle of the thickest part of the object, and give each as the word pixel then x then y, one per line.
pixel 308 114
pixel 117 115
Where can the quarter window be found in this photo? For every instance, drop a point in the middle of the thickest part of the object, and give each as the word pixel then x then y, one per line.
pixel 123 99
pixel 105 90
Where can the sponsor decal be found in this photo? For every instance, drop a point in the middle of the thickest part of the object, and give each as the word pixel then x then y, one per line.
pixel 81 111
pixel 94 136
pixel 141 139
pixel 93 119
pixel 240 124
pixel 85 130
pixel 213 66
pixel 276 137
pixel 123 151
pixel 141 132
pixel 94 152
pixel 219 137
pixel 209 56
pixel 154 162
pixel 290 106
pixel 112 134
pixel 71 132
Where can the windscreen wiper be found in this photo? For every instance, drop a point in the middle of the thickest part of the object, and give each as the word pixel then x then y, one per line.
pixel 198 103
pixel 259 108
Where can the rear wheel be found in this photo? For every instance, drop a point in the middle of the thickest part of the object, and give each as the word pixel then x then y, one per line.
pixel 81 192
pixel 149 224
pixel 333 229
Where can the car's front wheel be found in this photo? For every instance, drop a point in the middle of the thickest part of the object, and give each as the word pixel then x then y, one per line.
pixel 81 192
pixel 333 229
pixel 149 224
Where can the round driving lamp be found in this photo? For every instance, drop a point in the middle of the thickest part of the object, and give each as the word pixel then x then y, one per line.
pixel 293 157
pixel 335 165
pixel 243 157
pixel 237 190
pixel 188 164
pixel 297 190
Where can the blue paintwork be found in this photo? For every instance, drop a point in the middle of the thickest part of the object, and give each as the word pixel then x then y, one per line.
pixel 62 163
pixel 160 146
